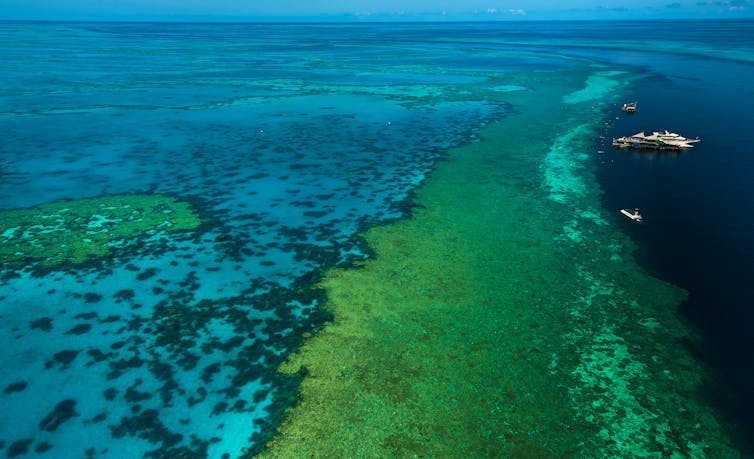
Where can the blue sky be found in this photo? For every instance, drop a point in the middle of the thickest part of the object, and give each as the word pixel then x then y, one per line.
pixel 371 9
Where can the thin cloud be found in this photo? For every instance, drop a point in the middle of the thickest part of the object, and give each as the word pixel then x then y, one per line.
pixel 511 11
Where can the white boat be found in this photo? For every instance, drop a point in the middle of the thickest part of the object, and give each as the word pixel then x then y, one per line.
pixel 632 214
pixel 629 107
pixel 670 137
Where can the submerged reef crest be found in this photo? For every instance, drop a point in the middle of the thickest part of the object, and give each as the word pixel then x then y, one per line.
pixel 506 318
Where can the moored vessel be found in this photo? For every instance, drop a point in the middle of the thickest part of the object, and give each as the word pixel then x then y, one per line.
pixel 656 141
pixel 629 107
pixel 632 214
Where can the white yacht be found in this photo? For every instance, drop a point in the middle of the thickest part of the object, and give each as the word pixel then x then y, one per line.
pixel 673 137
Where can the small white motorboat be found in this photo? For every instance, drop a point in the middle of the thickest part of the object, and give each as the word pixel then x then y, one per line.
pixel 629 107
pixel 632 214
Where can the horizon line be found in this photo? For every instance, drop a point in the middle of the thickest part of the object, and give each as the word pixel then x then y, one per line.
pixel 352 20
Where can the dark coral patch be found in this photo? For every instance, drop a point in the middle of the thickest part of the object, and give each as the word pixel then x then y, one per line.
pixel 44 324
pixel 64 358
pixel 79 329
pixel 97 356
pixel 133 395
pixel 118 367
pixel 209 371
pixel 260 395
pixel 110 393
pixel 147 425
pixel 125 294
pixel 15 387
pixel 42 447
pixel 146 274
pixel 92 298
pixel 316 213
pixel 86 315
pixel 220 407
pixel 19 447
pixel 62 412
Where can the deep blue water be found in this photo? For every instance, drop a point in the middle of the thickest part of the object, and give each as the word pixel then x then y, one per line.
pixel 289 139
pixel 698 233
pixel 699 204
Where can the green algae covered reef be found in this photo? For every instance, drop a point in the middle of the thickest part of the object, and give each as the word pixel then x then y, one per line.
pixel 507 317
pixel 76 231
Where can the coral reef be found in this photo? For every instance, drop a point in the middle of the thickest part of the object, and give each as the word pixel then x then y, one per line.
pixel 74 232
pixel 485 327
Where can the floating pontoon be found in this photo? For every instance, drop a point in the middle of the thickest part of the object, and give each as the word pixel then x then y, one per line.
pixel 656 141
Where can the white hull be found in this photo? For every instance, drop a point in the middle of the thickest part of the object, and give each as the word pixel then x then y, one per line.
pixel 657 141
pixel 633 215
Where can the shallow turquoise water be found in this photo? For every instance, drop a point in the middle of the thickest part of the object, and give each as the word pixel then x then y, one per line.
pixel 288 139
pixel 284 139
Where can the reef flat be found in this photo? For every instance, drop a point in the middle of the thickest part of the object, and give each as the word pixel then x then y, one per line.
pixel 76 231
pixel 507 317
